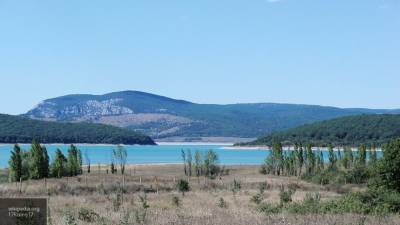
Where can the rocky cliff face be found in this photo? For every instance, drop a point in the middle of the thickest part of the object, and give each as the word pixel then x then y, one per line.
pixel 111 112
pixel 88 109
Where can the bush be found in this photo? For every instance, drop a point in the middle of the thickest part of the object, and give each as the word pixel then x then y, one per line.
pixel 286 196
pixel 176 201
pixel 257 198
pixel 263 186
pixel 236 186
pixel 125 219
pixel 387 170
pixel 310 204
pixel 183 186
pixel 372 201
pixel 357 175
pixel 269 208
pixel 263 169
pixel 141 213
pixel 87 215
pixel 3 178
pixel 69 218
pixel 117 202
pixel 222 203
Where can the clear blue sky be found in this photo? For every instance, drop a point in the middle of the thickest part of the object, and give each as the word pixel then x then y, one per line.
pixel 343 53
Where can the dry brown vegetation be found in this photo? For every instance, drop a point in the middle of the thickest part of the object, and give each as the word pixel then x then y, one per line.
pixel 96 198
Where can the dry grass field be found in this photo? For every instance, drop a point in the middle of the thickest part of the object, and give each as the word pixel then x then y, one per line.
pixel 150 197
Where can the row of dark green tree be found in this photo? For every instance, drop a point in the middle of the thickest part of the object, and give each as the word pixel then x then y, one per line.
pixel 307 163
pixel 206 164
pixel 35 163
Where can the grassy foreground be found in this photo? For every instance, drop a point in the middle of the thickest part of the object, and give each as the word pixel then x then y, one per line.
pixel 150 196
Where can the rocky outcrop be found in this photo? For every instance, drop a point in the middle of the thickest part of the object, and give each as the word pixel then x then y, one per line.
pixel 88 109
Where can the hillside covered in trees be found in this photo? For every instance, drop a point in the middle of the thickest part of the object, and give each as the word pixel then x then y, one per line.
pixel 349 130
pixel 161 117
pixel 15 129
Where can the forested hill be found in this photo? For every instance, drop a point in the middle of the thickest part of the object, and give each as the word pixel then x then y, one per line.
pixel 349 130
pixel 159 116
pixel 15 129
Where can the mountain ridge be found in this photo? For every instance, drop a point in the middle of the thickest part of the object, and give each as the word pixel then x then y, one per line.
pixel 160 116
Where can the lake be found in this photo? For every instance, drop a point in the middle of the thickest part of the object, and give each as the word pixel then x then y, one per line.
pixel 162 153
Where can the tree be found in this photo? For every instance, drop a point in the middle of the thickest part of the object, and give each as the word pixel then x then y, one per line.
pixel 46 162
pixel 87 159
pixel 15 164
pixel 183 154
pixel 189 162
pixel 318 166
pixel 321 164
pixel 279 156
pixel 331 157
pixel 339 154
pixel 26 164
pixel 73 164
pixel 362 155
pixel 112 167
pixel 274 161
pixel 59 165
pixel 388 168
pixel 310 159
pixel 292 162
pixel 351 157
pixel 120 154
pixel 39 162
pixel 286 164
pixel 347 160
pixel 197 163
pixel 300 158
pixel 210 164
pixel 183 186
pixel 372 155
pixel 79 159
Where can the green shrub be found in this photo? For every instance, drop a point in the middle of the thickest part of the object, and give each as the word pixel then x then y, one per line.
pixel 257 198
pixel 222 203
pixel 372 201
pixel 117 202
pixel 358 175
pixel 286 196
pixel 263 169
pixel 183 186
pixel 87 215
pixel 143 201
pixel 269 208
pixel 262 187
pixel 125 219
pixel 69 218
pixel 236 186
pixel 310 204
pixel 3 178
pixel 176 201
pixel 141 212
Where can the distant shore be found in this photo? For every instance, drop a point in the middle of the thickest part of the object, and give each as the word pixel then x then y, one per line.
pixel 158 143
pixel 291 148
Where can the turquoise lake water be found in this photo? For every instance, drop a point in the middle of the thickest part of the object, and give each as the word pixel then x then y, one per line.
pixel 154 154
